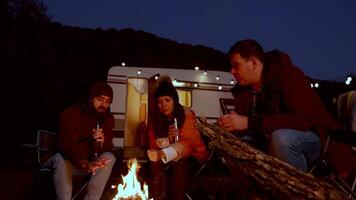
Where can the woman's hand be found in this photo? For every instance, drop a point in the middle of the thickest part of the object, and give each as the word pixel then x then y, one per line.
pixel 162 142
pixel 155 155
pixel 172 133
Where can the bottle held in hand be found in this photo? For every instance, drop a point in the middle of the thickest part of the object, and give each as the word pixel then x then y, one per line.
pixel 176 137
pixel 96 144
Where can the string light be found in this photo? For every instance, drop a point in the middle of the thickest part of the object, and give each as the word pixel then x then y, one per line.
pixel 348 80
pixel 221 80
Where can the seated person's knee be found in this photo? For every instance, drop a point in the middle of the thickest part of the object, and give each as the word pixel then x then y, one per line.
pixel 280 137
pixel 111 157
pixel 58 160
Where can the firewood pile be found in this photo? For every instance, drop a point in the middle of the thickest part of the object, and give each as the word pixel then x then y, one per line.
pixel 281 180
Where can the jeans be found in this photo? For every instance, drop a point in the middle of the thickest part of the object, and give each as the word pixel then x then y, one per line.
pixel 298 148
pixel 62 177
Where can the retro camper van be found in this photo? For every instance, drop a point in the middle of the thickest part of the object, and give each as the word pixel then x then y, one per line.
pixel 198 89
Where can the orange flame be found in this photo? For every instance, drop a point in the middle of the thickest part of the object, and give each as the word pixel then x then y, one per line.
pixel 131 187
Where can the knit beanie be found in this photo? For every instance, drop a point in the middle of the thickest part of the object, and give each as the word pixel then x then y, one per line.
pixel 101 88
pixel 166 88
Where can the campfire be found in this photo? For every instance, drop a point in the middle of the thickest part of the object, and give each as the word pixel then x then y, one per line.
pixel 131 188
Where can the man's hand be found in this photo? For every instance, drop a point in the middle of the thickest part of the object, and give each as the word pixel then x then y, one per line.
pixel 98 135
pixel 233 122
pixel 88 166
pixel 155 155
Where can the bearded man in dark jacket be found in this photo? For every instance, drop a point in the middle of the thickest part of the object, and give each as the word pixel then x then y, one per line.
pixel 85 142
pixel 275 107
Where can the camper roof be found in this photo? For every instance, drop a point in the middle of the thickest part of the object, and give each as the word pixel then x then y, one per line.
pixel 118 73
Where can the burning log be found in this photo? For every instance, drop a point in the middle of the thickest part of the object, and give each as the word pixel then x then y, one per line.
pixel 280 179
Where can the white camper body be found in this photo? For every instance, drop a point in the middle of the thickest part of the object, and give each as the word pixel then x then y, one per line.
pixel 199 90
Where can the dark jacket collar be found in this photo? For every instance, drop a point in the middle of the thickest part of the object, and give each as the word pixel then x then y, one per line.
pixel 275 65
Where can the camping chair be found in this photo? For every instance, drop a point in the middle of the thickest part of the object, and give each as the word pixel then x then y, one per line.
pixel 345 105
pixel 46 143
pixel 346 109
pixel 226 105
pixel 44 147
pixel 346 113
pixel 213 176
pixel 209 181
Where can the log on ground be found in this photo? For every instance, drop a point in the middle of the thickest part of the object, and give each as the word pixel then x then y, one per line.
pixel 280 179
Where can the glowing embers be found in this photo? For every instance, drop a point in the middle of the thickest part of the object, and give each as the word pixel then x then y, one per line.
pixel 131 188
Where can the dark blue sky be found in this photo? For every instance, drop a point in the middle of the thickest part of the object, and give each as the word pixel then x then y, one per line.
pixel 319 35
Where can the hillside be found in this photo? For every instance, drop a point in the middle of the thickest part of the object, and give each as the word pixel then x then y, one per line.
pixel 47 66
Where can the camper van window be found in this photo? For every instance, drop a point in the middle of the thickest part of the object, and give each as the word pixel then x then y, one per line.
pixel 185 97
